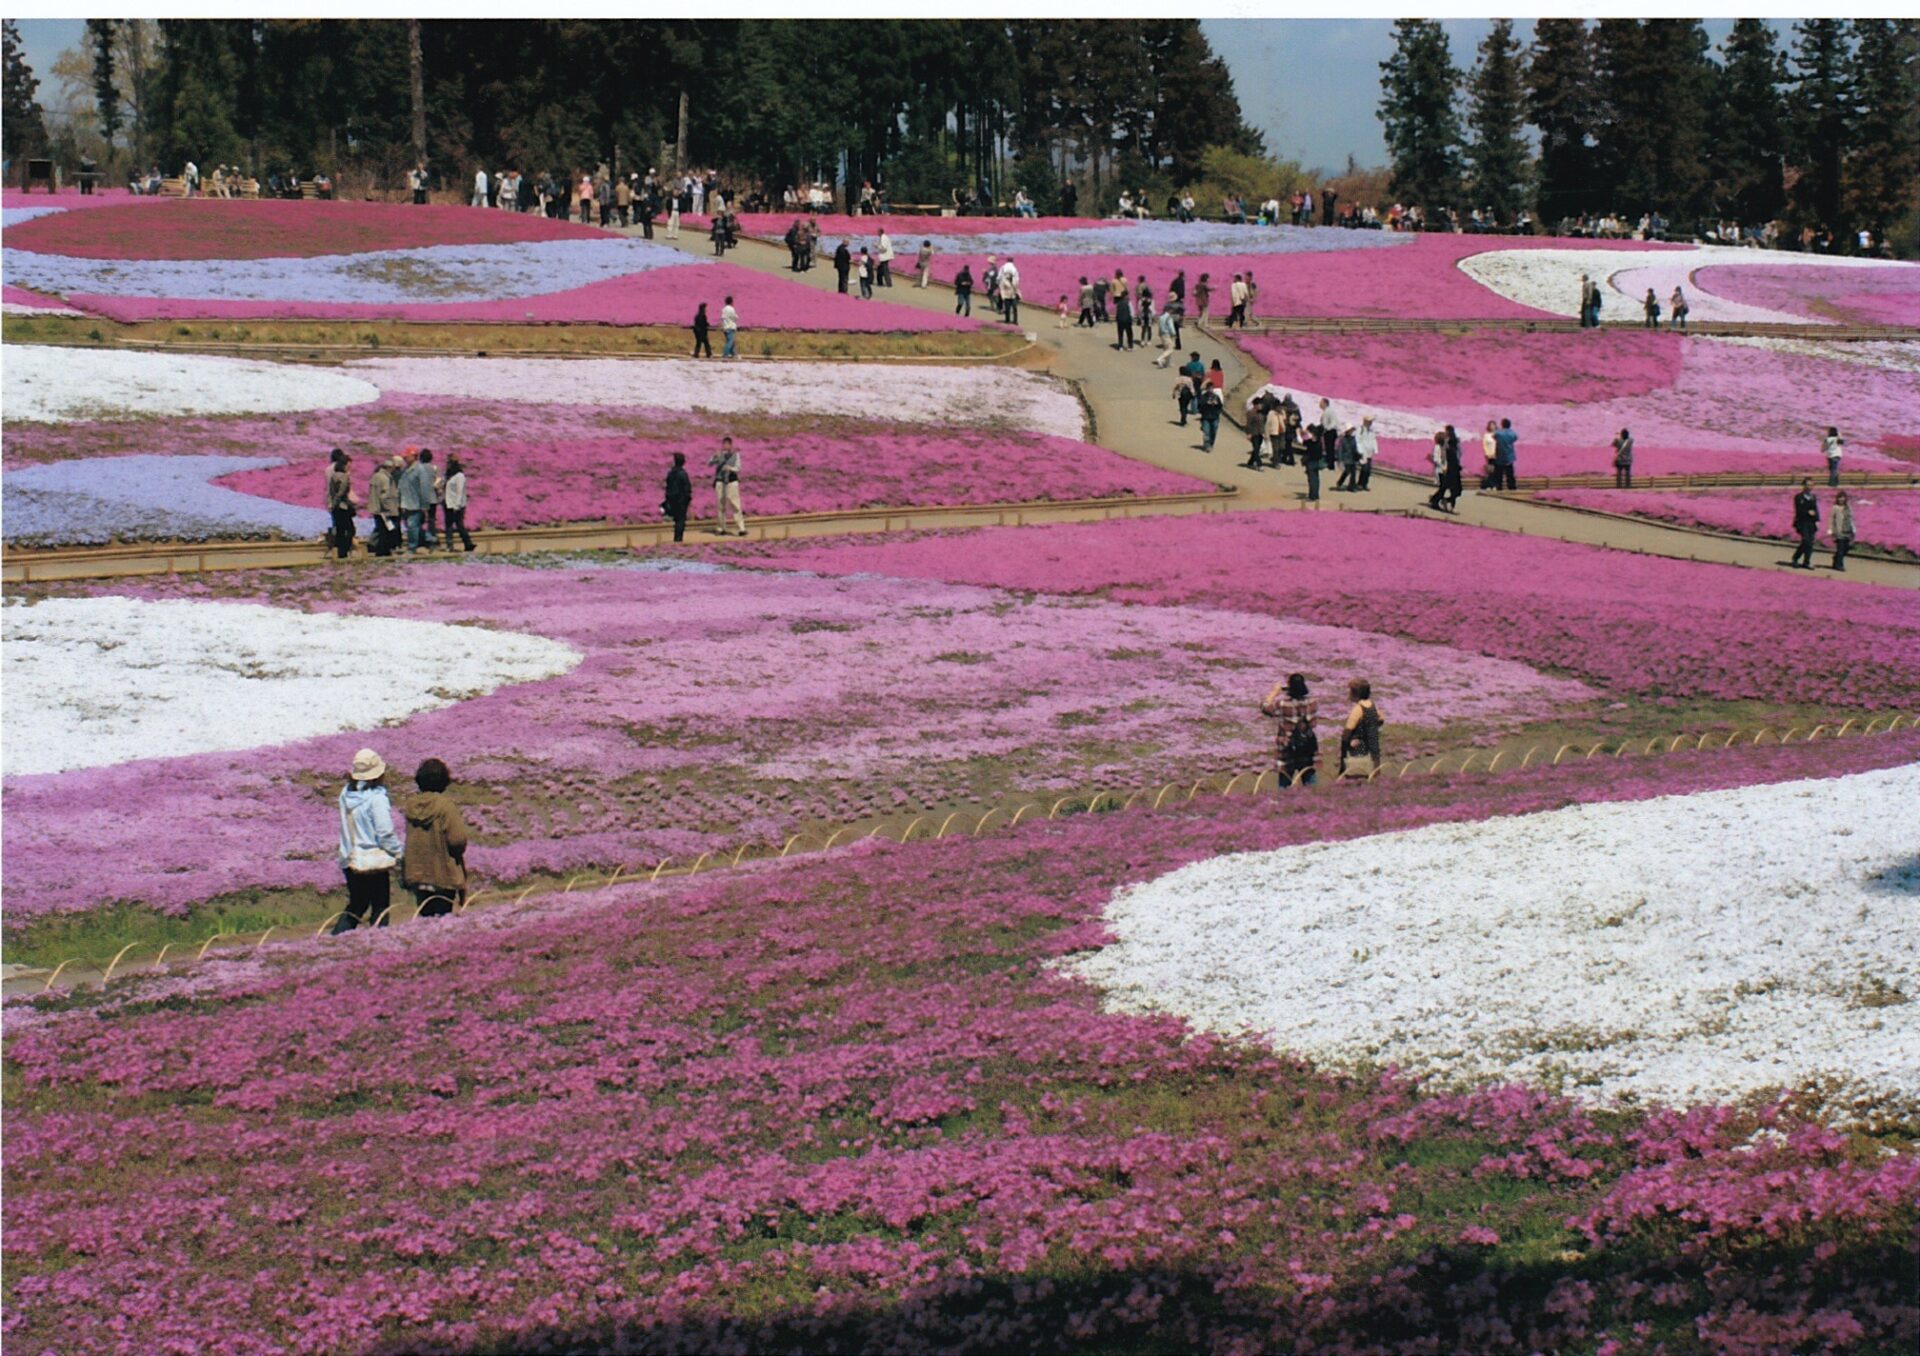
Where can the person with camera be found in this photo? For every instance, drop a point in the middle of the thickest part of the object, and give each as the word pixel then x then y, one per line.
pixel 1296 746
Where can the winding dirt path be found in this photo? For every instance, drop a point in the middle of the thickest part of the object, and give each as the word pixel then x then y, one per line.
pixel 1134 415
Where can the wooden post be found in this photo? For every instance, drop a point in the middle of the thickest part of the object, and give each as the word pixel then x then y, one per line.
pixel 680 140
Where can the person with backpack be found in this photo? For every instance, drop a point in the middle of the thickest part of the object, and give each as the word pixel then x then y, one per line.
pixel 1296 746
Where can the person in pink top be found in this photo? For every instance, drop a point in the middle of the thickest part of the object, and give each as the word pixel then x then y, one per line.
pixel 586 200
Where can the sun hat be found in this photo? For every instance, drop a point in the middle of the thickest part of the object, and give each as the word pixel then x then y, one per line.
pixel 367 766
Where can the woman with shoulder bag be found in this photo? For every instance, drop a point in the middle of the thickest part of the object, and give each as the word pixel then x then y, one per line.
pixel 1361 734
pixel 1623 461
pixel 368 846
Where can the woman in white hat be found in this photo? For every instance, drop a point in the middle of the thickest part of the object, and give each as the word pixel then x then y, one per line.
pixel 368 846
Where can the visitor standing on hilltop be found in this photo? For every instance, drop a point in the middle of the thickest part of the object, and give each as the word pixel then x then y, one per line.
pixel 679 495
pixel 340 503
pixel 701 327
pixel 726 488
pixel 1831 447
pixel 1506 452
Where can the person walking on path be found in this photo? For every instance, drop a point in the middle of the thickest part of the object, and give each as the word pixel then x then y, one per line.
pixel 963 290
pixel 885 258
pixel 1349 455
pixel 729 329
pixel 1183 399
pixel 673 216
pixel 1455 478
pixel 1009 286
pixel 434 864
pixel 1327 431
pixel 1506 453
pixel 1806 522
pixel 1086 304
pixel 1122 319
pixel 1831 447
pixel 1237 298
pixel 1677 308
pixel 923 263
pixel 1368 443
pixel 1840 527
pixel 1437 458
pixel 842 265
pixel 1361 733
pixel 1101 288
pixel 1586 302
pixel 865 270
pixel 368 847
pixel 1211 403
pixel 1652 308
pixel 726 489
pixel 340 503
pixel 1623 461
pixel 1202 298
pixel 702 327
pixel 454 495
pixel 479 188
pixel 1296 746
pixel 679 496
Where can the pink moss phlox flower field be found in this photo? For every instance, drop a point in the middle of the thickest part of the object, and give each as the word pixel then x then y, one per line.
pixel 580 479
pixel 848 1103
pixel 1884 519
pixel 714 709
pixel 1693 404
pixel 1642 625
pixel 658 296
pixel 208 228
pixel 1420 279
pixel 905 230
pixel 1888 296
pixel 20 296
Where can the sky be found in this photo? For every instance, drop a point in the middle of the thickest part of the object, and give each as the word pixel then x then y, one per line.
pixel 1312 86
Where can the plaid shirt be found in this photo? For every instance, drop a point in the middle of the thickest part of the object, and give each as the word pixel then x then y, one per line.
pixel 1292 714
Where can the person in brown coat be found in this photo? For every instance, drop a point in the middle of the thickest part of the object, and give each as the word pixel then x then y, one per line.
pixel 435 864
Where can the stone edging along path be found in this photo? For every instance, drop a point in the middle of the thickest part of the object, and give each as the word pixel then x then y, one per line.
pixel 1006 816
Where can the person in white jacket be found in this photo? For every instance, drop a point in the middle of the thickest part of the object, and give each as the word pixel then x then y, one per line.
pixel 480 188
pixel 1009 288
pixel 883 257
pixel 1369 444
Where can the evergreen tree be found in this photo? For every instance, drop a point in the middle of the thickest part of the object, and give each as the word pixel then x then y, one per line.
pixel 22 124
pixel 1883 174
pixel 1819 129
pixel 1560 102
pixel 1748 149
pixel 106 85
pixel 196 112
pixel 1417 110
pixel 1499 167
pixel 1655 82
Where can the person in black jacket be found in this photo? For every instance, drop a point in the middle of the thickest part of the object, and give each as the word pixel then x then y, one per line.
pixel 701 326
pixel 842 264
pixel 1806 521
pixel 679 496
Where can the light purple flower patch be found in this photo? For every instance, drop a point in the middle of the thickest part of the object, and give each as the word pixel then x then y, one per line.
pixel 145 498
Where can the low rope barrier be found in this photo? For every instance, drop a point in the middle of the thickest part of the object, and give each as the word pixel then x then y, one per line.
pixel 1184 792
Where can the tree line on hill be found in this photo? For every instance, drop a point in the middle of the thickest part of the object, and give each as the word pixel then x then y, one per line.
pixel 1637 116
pixel 926 105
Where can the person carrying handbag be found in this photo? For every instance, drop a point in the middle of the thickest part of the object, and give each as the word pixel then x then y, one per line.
pixel 369 847
pixel 1296 746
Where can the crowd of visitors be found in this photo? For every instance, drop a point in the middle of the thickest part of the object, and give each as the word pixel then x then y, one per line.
pixel 407 494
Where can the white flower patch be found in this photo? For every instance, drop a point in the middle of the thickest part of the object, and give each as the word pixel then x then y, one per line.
pixel 96 681
pixel 1686 948
pixel 45 384
pixel 1894 355
pixel 21 308
pixel 962 396
pixel 1549 279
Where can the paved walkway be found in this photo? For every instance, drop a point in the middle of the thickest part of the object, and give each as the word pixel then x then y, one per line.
pixel 1134 415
